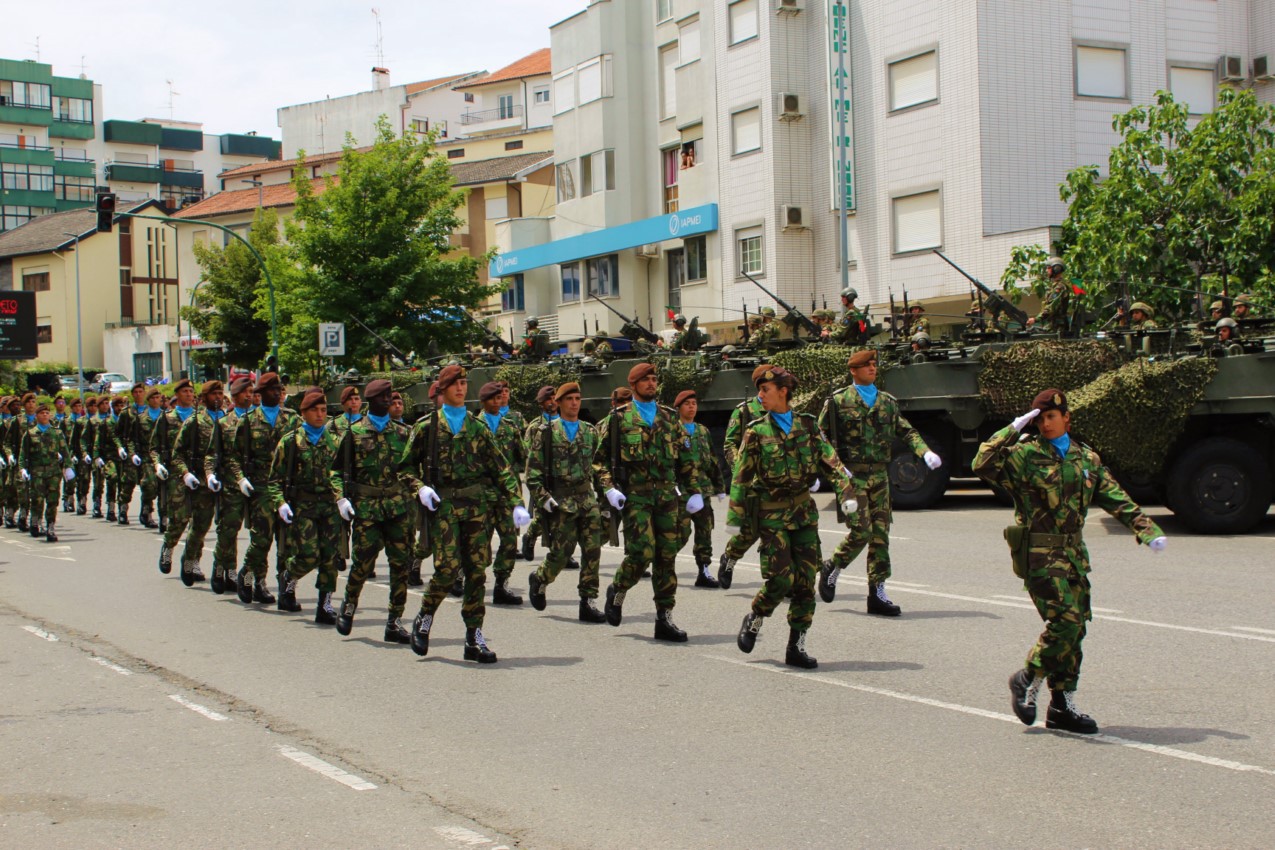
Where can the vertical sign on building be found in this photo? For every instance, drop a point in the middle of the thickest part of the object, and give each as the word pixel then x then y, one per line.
pixel 841 127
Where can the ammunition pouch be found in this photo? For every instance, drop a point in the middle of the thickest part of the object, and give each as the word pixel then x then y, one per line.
pixel 1019 539
pixel 752 515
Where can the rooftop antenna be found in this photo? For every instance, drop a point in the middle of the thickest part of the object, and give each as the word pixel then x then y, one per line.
pixel 83 69
pixel 380 42
pixel 172 93
pixel 322 121
pixel 37 48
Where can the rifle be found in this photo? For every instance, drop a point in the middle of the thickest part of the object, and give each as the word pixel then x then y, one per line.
pixel 619 477
pixel 795 317
pixel 831 408
pixel 289 480
pixel 632 328
pixel 907 317
pixel 491 338
pixel 389 346
pixel 894 318
pixel 996 302
pixel 165 458
pixel 747 333
pixel 546 450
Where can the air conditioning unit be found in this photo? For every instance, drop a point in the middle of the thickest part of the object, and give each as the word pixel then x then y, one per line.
pixel 793 217
pixel 1231 69
pixel 1262 68
pixel 789 106
pixel 649 251
pixel 789 7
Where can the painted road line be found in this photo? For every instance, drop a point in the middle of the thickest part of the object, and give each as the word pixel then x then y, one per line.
pixel 41 550
pixel 197 708
pixel 467 837
pixel 1019 599
pixel 1156 625
pixel 331 771
pixel 97 659
pixel 41 633
pixel 1251 629
pixel 1183 755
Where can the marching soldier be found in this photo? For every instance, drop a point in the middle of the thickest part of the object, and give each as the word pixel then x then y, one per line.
pixel 1053 479
pixel 81 444
pixel 351 412
pixel 563 483
pixel 74 424
pixel 139 444
pixel 44 461
pixel 9 473
pixel 509 440
pixel 130 462
pixel 195 507
pixel 234 500
pixel 621 397
pixel 863 424
pixel 459 475
pixel 105 454
pixel 548 413
pixel 706 479
pixel 743 539
pixel 23 421
pixel 780 461
pixel 62 421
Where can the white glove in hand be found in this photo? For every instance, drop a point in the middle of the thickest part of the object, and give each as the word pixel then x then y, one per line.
pixel 245 487
pixel 429 498
pixel 721 497
pixel 69 474
pixel 814 488
pixel 1157 545
pixel 24 475
pixel 850 506
pixel 285 513
pixel 88 461
pixel 137 461
pixel 100 463
pixel 160 470
pixel 522 519
pixel 346 509
pixel 1021 422
pixel 191 481
pixel 549 504
pixel 59 457
pixel 932 460
pixel 695 504
pixel 214 484
pixel 123 453
pixel 2 463
pixel 616 498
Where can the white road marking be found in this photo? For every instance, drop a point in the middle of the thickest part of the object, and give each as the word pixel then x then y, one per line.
pixel 1093 607
pixel 38 550
pixel 1251 629
pixel 41 633
pixel 1186 629
pixel 467 837
pixel 197 708
pixel 331 771
pixel 1171 752
pixel 97 659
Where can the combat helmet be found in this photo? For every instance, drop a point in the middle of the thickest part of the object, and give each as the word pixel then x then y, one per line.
pixel 1143 306
pixel 850 293
pixel 533 322
pixel 1226 322
pixel 679 319
pixel 768 312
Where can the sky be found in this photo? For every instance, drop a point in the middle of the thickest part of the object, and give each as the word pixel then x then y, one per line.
pixel 234 63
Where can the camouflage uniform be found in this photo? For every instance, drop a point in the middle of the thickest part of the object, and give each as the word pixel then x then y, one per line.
pixel 249 457
pixel 127 473
pixel 509 440
pixel 12 439
pixel 1054 311
pixel 576 519
pixel 851 329
pixel 191 507
pixel 340 426
pixel 230 514
pixel 163 445
pixel 744 413
pixel 106 450
pixel 62 421
pixel 102 479
pixel 139 444
pixel 706 479
pixel 78 444
pixel 865 439
pixel 535 530
pixel 44 454
pixel 764 334
pixel 311 538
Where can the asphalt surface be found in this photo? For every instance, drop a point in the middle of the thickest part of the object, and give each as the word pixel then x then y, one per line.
pixel 137 712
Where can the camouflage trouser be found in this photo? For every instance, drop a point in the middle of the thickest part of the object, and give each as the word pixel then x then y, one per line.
pixel 702 523
pixel 1061 595
pixel 871 528
pixel 311 543
pixel 536 529
pixel 44 497
pixel 650 537
pixel 110 474
pixel 584 527
pixel 149 484
pixel 739 544
pixel 189 507
pixel 127 483
pixel 261 522
pixel 83 481
pixel 789 561
pixel 99 479
pixel 507 535
pixel 370 536
pixel 462 546
pixel 233 506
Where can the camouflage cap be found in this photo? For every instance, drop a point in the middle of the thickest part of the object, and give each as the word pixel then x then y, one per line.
pixel 760 370
pixel 450 375
pixel 267 380
pixel 565 390
pixel 1246 298
pixel 348 392
pixel 684 396
pixel 1217 305
pixel 861 358
pixel 1050 399
pixel 489 390
pixel 544 394
pixel 768 312
pixel 1054 261
pixel 640 371
pixel 377 387
pixel 312 397
pixel 1141 306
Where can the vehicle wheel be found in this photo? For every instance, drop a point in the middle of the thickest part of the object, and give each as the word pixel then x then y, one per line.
pixel 1219 486
pixel 913 485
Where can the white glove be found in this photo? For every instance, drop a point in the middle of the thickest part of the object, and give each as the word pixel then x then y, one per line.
pixel 88 461
pixel 24 475
pixel 1157 545
pixel 213 483
pixel 191 481
pixel 429 497
pixel 285 513
pixel 245 487
pixel 160 470
pixel 100 463
pixel 721 497
pixel 137 461
pixel 2 463
pixel 1021 422
pixel 522 519
pixel 123 453
pixel 549 504
pixel 850 506
pixel 69 474
pixel 932 460
pixel 695 504
pixel 59 457
pixel 814 488
pixel 616 498
pixel 345 508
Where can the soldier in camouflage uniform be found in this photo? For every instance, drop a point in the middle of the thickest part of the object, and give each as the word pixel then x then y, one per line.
pixel 1055 312
pixel 23 421
pixel 9 459
pixel 867 422
pixel 852 326
pixel 780 464
pixel 562 483
pixel 197 505
pixel 351 412
pixel 106 454
pixel 81 440
pixel 420 523
pixel 1053 479
pixel 234 499
pixel 1141 317
pixel 1245 308
pixel 767 330
pixel 44 461
pixel 459 475
pixel 548 413
pixel 706 479
pixel 129 462
pixel 304 491
pixel 88 440
pixel 62 421
pixel 72 428
pixel 139 446
pixel 370 476
pixel 651 467
pixel 510 442
pixel 743 539
pixel 917 321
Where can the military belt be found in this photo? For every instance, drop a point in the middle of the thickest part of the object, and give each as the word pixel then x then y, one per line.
pixel 1055 541
pixel 473 491
pixel 786 503
pixel 367 491
pixel 866 467
pixel 312 499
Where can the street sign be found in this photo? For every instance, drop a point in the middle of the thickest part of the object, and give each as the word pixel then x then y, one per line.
pixel 332 339
pixel 17 326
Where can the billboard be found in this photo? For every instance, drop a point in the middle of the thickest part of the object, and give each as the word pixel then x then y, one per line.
pixel 17 326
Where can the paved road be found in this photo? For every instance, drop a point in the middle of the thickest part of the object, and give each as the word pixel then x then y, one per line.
pixel 138 712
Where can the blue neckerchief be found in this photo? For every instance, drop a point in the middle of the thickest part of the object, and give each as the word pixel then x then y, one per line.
pixel 313 432
pixel 783 420
pixel 30 418
pixel 378 422
pixel 493 420
pixel 271 414
pixel 549 417
pixel 41 428
pixel 138 408
pixel 241 412
pixel 867 393
pixel 75 417
pixel 102 417
pixel 59 417
pixel 114 417
pixel 183 413
pixel 349 417
pixel 7 417
pixel 646 409
pixel 155 412
pixel 455 416
pixel 571 428
pixel 216 414
pixel 504 410
pixel 690 428
pixel 1061 444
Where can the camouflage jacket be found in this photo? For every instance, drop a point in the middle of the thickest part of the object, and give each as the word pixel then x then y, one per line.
pixel 471 475
pixel 83 435
pixel 314 477
pixel 780 469
pixel 851 328
pixel 866 435
pixel 706 474
pixel 164 438
pixel 18 426
pixel 369 470
pixel 1056 306
pixel 191 446
pixel 744 412
pixel 44 455
pixel 529 429
pixel 223 442
pixel 340 423
pixel 510 441
pixel 143 429
pixel 105 445
pixel 572 480
pixel 764 334
pixel 651 456
pixel 249 453
pixel 518 421
pixel 63 423
pixel 1052 494
pixel 126 430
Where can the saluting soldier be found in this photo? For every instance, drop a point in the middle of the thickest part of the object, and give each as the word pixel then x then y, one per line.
pixel 44 461
pixel 548 413
pixel 459 475
pixel 234 500
pixel 866 422
pixel 706 479
pixel 510 442
pixel 780 463
pixel 563 483
pixel 130 462
pixel 1053 479
pixel 197 506
pixel 742 540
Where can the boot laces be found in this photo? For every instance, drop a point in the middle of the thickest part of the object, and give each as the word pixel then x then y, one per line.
pixel 290 586
pixel 833 575
pixel 478 639
pixel 881 593
pixel 426 622
pixel 754 623
pixel 1069 699
pixel 1032 690
pixel 327 604
pixel 618 599
pixel 800 645
pixel 667 617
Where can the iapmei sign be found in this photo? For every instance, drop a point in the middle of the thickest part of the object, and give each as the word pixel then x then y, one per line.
pixel 17 326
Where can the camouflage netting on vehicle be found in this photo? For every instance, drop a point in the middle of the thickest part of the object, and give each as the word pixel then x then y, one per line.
pixel 1132 415
pixel 400 379
pixel 820 369
pixel 1012 377
pixel 679 373
pixel 526 379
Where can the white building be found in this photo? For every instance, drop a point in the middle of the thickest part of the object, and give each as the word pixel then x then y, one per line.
pixel 512 99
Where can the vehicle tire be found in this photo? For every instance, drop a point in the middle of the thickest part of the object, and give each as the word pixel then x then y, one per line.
pixel 1219 486
pixel 913 485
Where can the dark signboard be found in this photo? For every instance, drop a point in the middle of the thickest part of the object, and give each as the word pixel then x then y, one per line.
pixel 17 326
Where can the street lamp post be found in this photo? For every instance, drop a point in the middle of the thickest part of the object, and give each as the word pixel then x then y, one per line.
pixel 190 329
pixel 79 329
pixel 259 184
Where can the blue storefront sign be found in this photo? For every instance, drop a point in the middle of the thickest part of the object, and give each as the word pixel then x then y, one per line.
pixel 678 225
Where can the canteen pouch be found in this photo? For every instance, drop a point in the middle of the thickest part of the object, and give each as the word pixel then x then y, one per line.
pixel 1019 539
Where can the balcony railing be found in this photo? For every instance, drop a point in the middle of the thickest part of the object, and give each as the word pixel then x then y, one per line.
pixel 500 114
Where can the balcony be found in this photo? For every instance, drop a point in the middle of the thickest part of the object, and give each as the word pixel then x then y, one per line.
pixel 132 133
pixel 74 167
pixel 187 177
pixel 234 144
pixel 177 139
pixel 133 172
pixel 20 113
pixel 65 128
pixel 487 120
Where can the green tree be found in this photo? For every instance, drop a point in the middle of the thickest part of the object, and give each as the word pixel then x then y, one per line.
pixel 1191 207
pixel 375 244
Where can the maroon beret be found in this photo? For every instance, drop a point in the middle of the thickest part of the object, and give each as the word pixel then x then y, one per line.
pixel 450 375
pixel 759 371
pixel 433 390
pixel 269 379
pixel 347 392
pixel 183 384
pixel 1050 399
pixel 544 394
pixel 620 394
pixel 377 387
pixel 140 385
pixel 211 387
pixel 684 395
pixel 779 375
pixel 862 358
pixel 566 390
pixel 490 390
pixel 311 397
pixel 640 371
pixel 240 384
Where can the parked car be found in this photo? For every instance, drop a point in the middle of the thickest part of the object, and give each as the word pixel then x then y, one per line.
pixel 73 383
pixel 111 382
pixel 236 372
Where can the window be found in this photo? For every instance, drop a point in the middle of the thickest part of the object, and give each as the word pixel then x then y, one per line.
pixel 469 97
pixel 1101 72
pixel 19 175
pixel 15 216
pixel 743 20
pixel 441 128
pixel 692 153
pixel 604 275
pixel 591 79
pixel 571 282
pixel 35 281
pixel 420 125
pixel 75 110
pixel 32 95
pixel 564 92
pixel 79 189
pixel 156 251
pixel 745 129
pixel 176 197
pixel 918 222
pixel 597 173
pixel 455 153
pixel 43 334
pixel 696 258
pixel 136 158
pixel 540 94
pixel 688 41
pixel 497 208
pixel 749 254
pixel 672 158
pixel 914 80
pixel 511 300
pixel 515 145
pixel 566 182
pixel 663 10
pixel 668 81
pixel 1194 87
pixel 505 106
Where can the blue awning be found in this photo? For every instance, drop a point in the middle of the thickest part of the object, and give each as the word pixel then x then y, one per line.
pixel 678 225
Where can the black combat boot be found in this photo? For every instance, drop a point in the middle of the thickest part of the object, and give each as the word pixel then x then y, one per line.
pixel 749 631
pixel 67 505
pixel 243 586
pixel 324 613
pixel 414 574
pixel 97 509
pixel 371 574
pixel 123 515
pixel 796 656
pixel 502 595
pixel 614 605
pixel 458 586
pixel 191 574
pixel 536 590
pixel 589 614
pixel 34 528
pixel 110 512
pixel 144 516
pixel 22 523
pixel 703 578
pixel 528 547
pixel 1023 687
pixel 828 575
pixel 340 564
pixel 476 647
pixel 666 629
pixel 261 593
pixel 220 579
pixel 394 631
pixel 878 602
pixel 288 594
pixel 163 523
pixel 165 559
pixel 725 572
pixel 82 508
pixel 345 622
pixel 9 521
pixel 420 633
pixel 1063 715
pixel 51 534
pixel 572 563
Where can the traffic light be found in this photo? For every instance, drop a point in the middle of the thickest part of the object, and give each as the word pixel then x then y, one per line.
pixel 105 211
pixel 272 364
